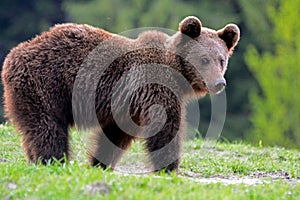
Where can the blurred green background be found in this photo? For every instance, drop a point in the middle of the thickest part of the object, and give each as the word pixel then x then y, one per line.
pixel 263 103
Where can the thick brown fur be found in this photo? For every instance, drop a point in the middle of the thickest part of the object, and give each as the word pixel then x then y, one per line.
pixel 39 75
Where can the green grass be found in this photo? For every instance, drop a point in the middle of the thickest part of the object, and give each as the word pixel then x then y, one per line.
pixel 277 169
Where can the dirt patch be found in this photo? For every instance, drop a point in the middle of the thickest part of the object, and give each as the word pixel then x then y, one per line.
pixel 220 179
pixel 97 188
pixel 279 175
pixel 227 180
pixel 11 186
pixel 253 179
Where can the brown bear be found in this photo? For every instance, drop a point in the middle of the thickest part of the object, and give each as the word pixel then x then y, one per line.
pixel 46 91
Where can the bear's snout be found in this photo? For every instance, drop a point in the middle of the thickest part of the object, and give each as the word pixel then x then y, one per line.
pixel 218 87
pixel 220 84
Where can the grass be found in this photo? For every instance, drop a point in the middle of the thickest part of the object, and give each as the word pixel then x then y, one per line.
pixel 203 170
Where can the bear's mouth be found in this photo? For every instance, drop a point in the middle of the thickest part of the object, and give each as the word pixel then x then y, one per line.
pixel 200 88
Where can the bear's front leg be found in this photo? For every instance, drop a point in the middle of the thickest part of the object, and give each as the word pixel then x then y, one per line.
pixel 164 147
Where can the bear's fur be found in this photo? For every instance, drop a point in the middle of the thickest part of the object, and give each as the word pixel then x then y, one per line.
pixel 39 77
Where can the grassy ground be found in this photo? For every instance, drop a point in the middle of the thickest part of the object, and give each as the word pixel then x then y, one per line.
pixel 221 171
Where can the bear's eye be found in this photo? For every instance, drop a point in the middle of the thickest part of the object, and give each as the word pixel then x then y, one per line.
pixel 222 62
pixel 204 61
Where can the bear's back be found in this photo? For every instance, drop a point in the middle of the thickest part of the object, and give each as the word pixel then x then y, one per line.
pixel 63 46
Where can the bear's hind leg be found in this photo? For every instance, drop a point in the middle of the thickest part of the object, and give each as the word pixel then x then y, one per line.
pixel 108 146
pixel 44 142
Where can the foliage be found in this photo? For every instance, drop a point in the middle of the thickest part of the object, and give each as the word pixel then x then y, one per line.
pixel 21 20
pixel 117 16
pixel 203 166
pixel 276 115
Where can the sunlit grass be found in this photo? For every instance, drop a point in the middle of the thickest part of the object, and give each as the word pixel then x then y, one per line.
pixel 277 167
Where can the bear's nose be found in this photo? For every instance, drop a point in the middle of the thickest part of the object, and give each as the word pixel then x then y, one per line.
pixel 220 84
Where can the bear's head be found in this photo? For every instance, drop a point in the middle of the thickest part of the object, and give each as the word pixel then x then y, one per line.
pixel 203 53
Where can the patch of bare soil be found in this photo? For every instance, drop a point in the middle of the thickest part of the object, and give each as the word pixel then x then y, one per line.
pixel 279 175
pixel 253 179
pixel 96 188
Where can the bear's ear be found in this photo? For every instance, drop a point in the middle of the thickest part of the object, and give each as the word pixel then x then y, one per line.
pixel 231 35
pixel 190 26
